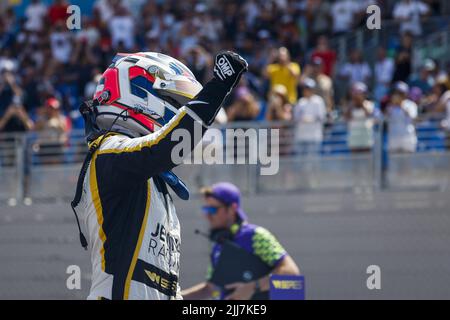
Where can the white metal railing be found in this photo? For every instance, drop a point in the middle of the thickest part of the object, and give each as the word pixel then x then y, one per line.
pixel 27 171
pixel 366 40
pixel 435 46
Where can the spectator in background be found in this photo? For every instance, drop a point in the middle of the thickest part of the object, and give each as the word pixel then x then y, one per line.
pixel 13 116
pixel 208 27
pixel 31 86
pixel 384 71
pixel 199 62
pixel 319 19
pixel 359 114
pixel 105 9
pixel 251 9
pixel 10 19
pixel 325 89
pixel 134 6
pixel 6 36
pixel 443 106
pixel 410 13
pixel 91 86
pixel 4 5
pixel 259 61
pixel 401 113
pixel 16 119
pixel 345 14
pixel 290 36
pixel 356 69
pixel 406 43
pixel 8 85
pixel 35 15
pixel 425 80
pixel 309 115
pixel 279 109
pixel 328 56
pixel 403 64
pixel 89 34
pixel 436 6
pixel 285 72
pixel 402 67
pixel 85 64
pixel 186 37
pixel 435 101
pixel 57 12
pixel 122 28
pixel 445 75
pixel 152 42
pixel 8 63
pixel 66 83
pixel 61 43
pixel 52 127
pixel 416 96
pixel 442 77
pixel 244 108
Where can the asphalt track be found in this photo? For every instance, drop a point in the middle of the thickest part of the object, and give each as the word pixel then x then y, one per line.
pixel 333 237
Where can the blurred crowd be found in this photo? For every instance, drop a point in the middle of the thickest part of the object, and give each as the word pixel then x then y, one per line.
pixel 47 70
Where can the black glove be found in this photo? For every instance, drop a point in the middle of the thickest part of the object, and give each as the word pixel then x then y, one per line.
pixel 229 67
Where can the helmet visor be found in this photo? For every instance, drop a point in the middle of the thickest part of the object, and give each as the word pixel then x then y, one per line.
pixel 179 88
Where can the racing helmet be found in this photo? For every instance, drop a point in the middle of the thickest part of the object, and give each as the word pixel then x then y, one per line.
pixel 143 91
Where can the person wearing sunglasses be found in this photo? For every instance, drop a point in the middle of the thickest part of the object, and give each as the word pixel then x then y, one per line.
pixel 228 221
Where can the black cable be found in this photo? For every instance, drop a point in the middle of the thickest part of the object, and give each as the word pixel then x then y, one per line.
pixel 82 175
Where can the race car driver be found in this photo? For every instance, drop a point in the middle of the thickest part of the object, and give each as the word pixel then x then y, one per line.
pixel 141 101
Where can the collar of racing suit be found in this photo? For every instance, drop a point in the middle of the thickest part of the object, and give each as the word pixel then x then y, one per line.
pixel 175 183
pixel 124 131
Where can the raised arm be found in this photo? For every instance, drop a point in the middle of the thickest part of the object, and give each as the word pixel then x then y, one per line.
pixel 150 155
